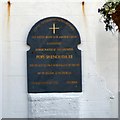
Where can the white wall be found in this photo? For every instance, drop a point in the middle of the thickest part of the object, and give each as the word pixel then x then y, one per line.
pixel 0 63
pixel 118 73
pixel 99 56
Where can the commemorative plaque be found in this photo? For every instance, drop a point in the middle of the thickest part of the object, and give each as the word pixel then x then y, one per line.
pixel 54 61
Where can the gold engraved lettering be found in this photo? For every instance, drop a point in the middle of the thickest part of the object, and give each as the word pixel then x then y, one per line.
pixel 54 56
pixel 47 82
pixel 54 43
pixel 54 73
pixel 72 82
pixel 54 65
pixel 54 37
pixel 40 56
pixel 53 49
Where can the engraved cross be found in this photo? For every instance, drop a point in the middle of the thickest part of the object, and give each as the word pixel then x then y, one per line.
pixel 54 28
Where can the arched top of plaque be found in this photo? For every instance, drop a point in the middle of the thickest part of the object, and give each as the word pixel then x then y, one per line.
pixel 54 28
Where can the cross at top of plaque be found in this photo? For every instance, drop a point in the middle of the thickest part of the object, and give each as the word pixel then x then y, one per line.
pixel 54 28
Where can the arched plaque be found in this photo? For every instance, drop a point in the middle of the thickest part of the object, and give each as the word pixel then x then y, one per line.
pixel 54 61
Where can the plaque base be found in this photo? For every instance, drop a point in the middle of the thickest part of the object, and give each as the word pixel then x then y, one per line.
pixel 54 105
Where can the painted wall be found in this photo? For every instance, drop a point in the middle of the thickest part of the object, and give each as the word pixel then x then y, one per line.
pixel 99 56
pixel 0 64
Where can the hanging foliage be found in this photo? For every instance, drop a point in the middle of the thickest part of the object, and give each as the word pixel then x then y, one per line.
pixel 110 12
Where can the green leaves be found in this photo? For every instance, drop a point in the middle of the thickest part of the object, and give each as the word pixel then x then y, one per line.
pixel 106 11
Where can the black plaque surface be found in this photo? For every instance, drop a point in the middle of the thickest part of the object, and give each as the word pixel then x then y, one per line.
pixel 54 61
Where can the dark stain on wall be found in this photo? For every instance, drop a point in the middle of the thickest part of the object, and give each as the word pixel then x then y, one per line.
pixel 83 7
